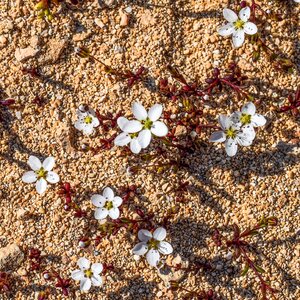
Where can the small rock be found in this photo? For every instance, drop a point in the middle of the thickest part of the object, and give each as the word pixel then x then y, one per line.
pixel 128 9
pixel 26 53
pixel 6 26
pixel 21 213
pixel 55 49
pixel 22 272
pixel 34 41
pixel 3 41
pixel 11 257
pixel 99 23
pixel 81 36
pixel 180 130
pixel 124 20
pixel 147 19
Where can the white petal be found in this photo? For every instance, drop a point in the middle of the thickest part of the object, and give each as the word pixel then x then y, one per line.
pixel 85 284
pixel 244 141
pixel 122 121
pixel 79 125
pixel 140 248
pixel 96 280
pixel 226 30
pixel 230 147
pixel 144 235
pixel 77 275
pixel 41 186
pixel 117 201
pixel 98 200
pixel 108 193
pixel 95 122
pixel 160 234
pixel 29 177
pixel 144 138
pixel 88 129
pixel 250 28
pixel 122 139
pixel 34 163
pixel 235 117
pixel 152 257
pixel 224 121
pixel 165 248
pixel 52 177
pixel 238 38
pixel 230 15
pixel 244 13
pixel 247 132
pixel 139 111
pixel 258 120
pixel 249 109
pixel 49 163
pixel 101 213
pixel 133 126
pixel 97 268
pixel 114 213
pixel 155 112
pixel 159 129
pixel 135 147
pixel 218 136
pixel 83 263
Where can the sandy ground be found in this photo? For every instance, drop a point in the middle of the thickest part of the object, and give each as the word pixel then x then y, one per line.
pixel 262 180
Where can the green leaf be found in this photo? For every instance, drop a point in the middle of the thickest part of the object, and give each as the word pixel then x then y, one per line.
pixel 259 269
pixel 245 271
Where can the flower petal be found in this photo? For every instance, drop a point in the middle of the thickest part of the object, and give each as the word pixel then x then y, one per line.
pixel 114 213
pixel 88 129
pixel 244 13
pixel 34 163
pixel 247 132
pixel 122 121
pixel 83 263
pixel 132 126
pixel 152 257
pixel 235 117
pixel 97 268
pixel 144 235
pixel 230 147
pixel 230 15
pixel 85 284
pixel 49 163
pixel 96 280
pixel 41 186
pixel 250 28
pixel 95 122
pixel 108 193
pixel 140 249
pixel 159 129
pixel 135 147
pixel 226 30
pixel 77 275
pixel 238 38
pixel 224 121
pixel 101 213
pixel 155 112
pixel 218 136
pixel 122 139
pixel 165 248
pixel 139 111
pixel 258 120
pixel 52 177
pixel 144 138
pixel 79 125
pixel 160 234
pixel 98 200
pixel 249 109
pixel 29 177
pixel 117 201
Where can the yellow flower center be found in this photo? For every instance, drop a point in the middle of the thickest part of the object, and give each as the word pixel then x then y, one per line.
pixel 133 135
pixel 88 273
pixel 153 244
pixel 245 119
pixel 239 24
pixel 108 205
pixel 41 173
pixel 147 123
pixel 88 120
pixel 231 133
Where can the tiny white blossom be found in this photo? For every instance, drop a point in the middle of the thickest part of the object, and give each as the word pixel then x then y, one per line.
pixel 88 274
pixel 248 116
pixel 41 173
pixel 237 26
pixel 152 245
pixel 107 204
pixel 86 121
pixel 233 135
pixel 297 1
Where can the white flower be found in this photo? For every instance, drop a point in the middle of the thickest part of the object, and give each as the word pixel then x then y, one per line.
pixel 87 274
pixel 41 173
pixel 107 204
pixel 297 1
pixel 233 135
pixel 152 245
pixel 237 26
pixel 87 120
pixel 247 116
pixel 139 132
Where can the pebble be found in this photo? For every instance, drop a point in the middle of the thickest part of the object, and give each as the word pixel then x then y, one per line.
pixel 3 41
pixel 22 55
pixel 124 21
pixel 11 257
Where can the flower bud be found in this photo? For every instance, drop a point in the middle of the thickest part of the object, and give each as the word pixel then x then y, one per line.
pixel 84 242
